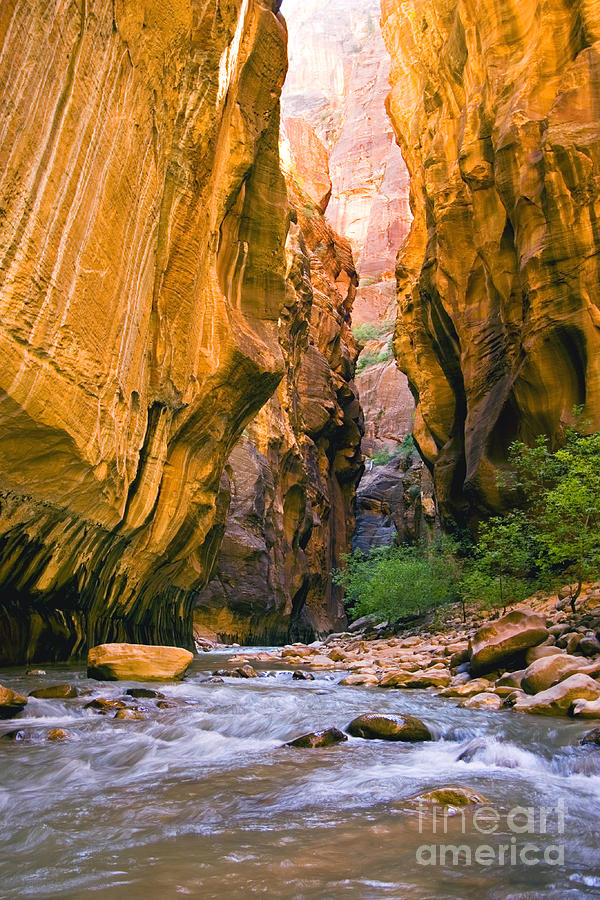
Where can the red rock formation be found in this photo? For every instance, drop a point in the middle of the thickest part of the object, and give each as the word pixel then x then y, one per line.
pixel 496 107
pixel 294 473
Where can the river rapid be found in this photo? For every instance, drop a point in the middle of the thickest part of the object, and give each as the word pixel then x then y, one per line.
pixel 203 800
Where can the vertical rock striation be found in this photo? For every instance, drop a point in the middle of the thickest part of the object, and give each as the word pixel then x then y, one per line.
pixel 496 106
pixel 142 226
pixel 294 473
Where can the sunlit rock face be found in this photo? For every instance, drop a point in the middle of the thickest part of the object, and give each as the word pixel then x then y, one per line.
pixel 496 106
pixel 294 473
pixel 338 82
pixel 142 226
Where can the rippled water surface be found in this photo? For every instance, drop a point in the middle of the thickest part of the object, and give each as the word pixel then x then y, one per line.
pixel 203 800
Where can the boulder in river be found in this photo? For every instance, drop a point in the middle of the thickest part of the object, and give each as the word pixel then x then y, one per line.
pixel 58 735
pixel 11 703
pixel 592 737
pixel 130 714
pixel 549 670
pixel 35 672
pixel 359 678
pixel 303 676
pixel 496 642
pixel 137 662
pixel 586 709
pixel 389 728
pixel 558 699
pixel 56 692
pixel 327 738
pixel 144 693
pixel 451 796
pixel 484 700
pixel 104 705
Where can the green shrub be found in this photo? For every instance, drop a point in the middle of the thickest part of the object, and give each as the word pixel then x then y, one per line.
pixel 405 450
pixel 371 359
pixel 399 582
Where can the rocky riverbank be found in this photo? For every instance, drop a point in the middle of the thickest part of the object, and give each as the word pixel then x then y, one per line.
pixel 540 658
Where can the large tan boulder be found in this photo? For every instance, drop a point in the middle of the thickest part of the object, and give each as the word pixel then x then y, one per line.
pixel 557 700
pixel 137 662
pixel 11 703
pixel 549 670
pixel 389 728
pixel 485 700
pixel 496 642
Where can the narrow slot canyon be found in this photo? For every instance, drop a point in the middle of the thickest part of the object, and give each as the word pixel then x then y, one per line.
pixel 300 449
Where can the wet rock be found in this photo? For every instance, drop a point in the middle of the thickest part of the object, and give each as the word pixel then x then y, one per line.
pixel 11 703
pixel 104 705
pixel 498 641
pixel 166 704
pixel 468 689
pixel 144 693
pixel 451 796
pixel 303 676
pixel 58 735
pixel 511 679
pixel 137 662
pixel 439 678
pixel 389 728
pixel 549 670
pixel 56 692
pixel 327 738
pixel 37 672
pixel 589 645
pixel 558 699
pixel 394 679
pixel 213 679
pixel 246 672
pixel 135 714
pixel 592 737
pixel 357 678
pixel 485 700
pixel 586 709
pixel 19 734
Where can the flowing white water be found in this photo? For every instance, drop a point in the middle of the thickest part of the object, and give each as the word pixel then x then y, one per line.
pixel 203 800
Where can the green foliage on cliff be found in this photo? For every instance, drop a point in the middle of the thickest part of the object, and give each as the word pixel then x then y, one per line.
pixel 371 359
pixel 404 450
pixel 551 534
pixel 368 332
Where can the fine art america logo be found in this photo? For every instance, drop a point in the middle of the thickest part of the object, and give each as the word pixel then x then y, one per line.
pixel 525 832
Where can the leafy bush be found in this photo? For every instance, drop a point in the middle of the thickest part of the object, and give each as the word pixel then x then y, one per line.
pixel 398 582
pixel 371 359
pixel 403 450
pixel 368 332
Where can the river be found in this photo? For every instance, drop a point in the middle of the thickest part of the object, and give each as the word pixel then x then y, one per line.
pixel 203 800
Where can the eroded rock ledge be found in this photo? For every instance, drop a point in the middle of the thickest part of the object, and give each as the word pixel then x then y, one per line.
pixel 495 106
pixel 142 271
pixel 294 473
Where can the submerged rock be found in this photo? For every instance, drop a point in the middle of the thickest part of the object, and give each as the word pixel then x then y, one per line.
pixel 58 735
pixel 130 714
pixel 389 728
pixel 146 693
pixel 137 662
pixel 592 737
pixel 303 676
pixel 37 672
pixel 451 796
pixel 56 692
pixel 498 641
pixel 327 738
pixel 104 705
pixel 11 703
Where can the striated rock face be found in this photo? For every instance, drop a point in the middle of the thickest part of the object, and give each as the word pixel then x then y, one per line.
pixel 496 108
pixel 338 82
pixel 294 473
pixel 142 225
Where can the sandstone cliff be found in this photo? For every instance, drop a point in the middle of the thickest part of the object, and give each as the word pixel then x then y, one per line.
pixel 142 226
pixel 294 473
pixel 496 106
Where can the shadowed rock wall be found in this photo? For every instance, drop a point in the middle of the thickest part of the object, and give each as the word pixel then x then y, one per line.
pixel 496 106
pixel 142 225
pixel 294 473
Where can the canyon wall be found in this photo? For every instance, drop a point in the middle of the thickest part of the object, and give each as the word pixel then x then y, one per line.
pixel 496 107
pixel 293 475
pixel 142 225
